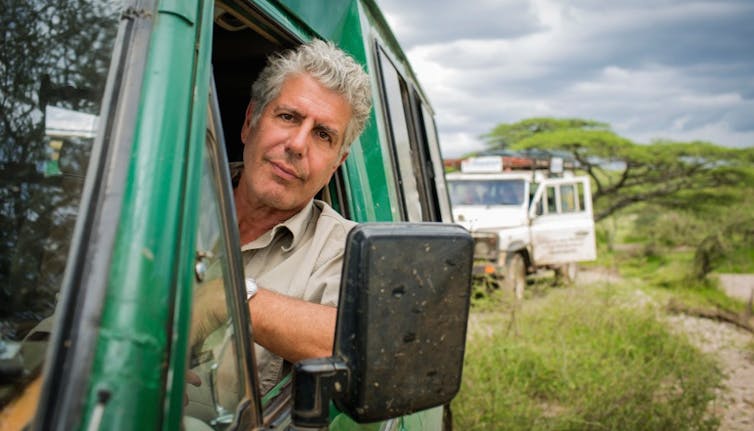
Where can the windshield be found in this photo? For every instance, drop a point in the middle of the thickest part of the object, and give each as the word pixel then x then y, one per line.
pixel 53 63
pixel 487 192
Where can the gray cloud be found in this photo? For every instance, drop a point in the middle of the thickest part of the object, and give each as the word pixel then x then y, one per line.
pixel 425 21
pixel 652 69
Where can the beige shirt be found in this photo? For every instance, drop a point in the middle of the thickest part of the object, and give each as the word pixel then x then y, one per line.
pixel 301 257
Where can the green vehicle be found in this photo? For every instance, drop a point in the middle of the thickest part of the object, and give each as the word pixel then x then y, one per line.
pixel 119 121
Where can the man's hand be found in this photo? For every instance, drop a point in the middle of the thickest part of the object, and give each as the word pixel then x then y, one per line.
pixel 208 311
pixel 193 379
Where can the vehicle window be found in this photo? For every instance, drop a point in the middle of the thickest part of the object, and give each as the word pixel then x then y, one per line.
pixel 213 357
pixel 426 160
pixel 464 193
pixel 396 97
pixel 436 186
pixel 487 192
pixel 552 200
pixel 509 192
pixel 568 198
pixel 53 62
pixel 580 201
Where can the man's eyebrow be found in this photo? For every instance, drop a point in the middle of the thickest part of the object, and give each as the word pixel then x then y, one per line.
pixel 287 108
pixel 296 113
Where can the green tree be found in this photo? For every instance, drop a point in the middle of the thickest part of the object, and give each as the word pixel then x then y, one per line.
pixel 673 174
pixel 504 135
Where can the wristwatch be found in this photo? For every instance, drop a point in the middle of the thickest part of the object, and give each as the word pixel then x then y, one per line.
pixel 251 287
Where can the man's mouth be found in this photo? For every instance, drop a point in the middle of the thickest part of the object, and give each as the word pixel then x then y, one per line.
pixel 284 171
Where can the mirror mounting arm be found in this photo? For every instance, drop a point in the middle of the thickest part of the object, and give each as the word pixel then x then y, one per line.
pixel 315 383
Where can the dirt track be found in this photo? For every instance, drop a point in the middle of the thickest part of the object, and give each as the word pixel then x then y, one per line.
pixel 739 286
pixel 730 344
pixel 735 402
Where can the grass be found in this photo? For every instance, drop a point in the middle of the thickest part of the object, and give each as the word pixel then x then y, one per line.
pixel 668 273
pixel 594 364
pixel 739 261
pixel 600 357
pixel 661 262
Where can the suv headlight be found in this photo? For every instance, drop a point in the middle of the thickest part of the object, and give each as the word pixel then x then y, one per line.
pixel 485 245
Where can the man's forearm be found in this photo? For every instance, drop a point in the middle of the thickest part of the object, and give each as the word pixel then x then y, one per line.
pixel 292 328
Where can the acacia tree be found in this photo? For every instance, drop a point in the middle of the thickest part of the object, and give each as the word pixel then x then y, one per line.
pixel 505 135
pixel 623 173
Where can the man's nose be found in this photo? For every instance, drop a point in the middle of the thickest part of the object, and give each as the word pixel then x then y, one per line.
pixel 298 141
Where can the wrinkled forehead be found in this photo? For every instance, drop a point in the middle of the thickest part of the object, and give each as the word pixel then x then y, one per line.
pixel 310 99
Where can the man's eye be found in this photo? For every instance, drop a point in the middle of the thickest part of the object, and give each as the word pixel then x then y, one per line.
pixel 324 136
pixel 286 117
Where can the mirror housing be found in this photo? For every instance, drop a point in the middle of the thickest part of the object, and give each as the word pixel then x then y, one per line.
pixel 401 329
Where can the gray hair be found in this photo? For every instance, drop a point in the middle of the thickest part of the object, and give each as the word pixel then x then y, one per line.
pixel 331 67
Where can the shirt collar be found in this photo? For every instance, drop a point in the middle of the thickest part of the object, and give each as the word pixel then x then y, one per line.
pixel 294 226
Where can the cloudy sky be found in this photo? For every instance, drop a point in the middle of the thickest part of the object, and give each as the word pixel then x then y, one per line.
pixel 652 69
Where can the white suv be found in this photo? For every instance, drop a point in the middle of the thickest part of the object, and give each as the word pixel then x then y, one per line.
pixel 523 221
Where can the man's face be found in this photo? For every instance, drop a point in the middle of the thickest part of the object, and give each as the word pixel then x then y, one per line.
pixel 296 146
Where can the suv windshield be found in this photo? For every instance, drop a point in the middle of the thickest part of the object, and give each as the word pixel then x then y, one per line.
pixel 486 192
pixel 53 63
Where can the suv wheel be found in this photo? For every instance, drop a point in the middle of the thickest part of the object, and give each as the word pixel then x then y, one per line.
pixel 567 273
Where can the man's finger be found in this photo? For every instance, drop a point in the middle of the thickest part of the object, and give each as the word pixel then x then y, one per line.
pixel 193 378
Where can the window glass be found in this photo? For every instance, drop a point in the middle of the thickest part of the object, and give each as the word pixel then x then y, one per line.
pixel 435 166
pixel 508 192
pixel 487 192
pixel 53 63
pixel 464 193
pixel 213 358
pixel 532 191
pixel 568 198
pixel 539 208
pixel 421 156
pixel 552 200
pixel 396 95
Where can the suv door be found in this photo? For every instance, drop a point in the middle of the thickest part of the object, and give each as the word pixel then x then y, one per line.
pixel 562 225
pixel 221 388
pixel 118 358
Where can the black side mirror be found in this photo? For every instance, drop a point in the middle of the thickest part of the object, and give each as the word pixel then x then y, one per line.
pixel 401 331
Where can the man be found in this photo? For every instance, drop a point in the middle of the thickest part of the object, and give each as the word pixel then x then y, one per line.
pixel 306 108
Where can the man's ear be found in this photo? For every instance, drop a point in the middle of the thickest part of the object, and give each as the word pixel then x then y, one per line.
pixel 342 160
